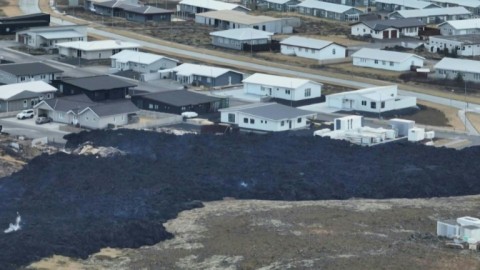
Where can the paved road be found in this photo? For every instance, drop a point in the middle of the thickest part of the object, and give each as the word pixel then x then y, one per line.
pixel 19 128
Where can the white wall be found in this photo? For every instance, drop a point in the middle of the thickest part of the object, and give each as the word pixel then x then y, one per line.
pixel 362 29
pixel 388 65
pixel 332 51
pixel 274 26
pixel 448 30
pixel 263 124
pixel 282 92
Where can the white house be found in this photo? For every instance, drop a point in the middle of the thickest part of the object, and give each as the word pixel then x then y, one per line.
pixel 141 62
pixel 286 88
pixel 472 5
pixel 197 75
pixel 312 48
pixel 329 10
pixel 460 27
pixel 21 96
pixel 388 60
pixel 433 15
pixel 387 29
pixel 237 38
pixel 267 117
pixel 393 5
pixel 190 7
pixel 465 229
pixel 49 36
pixel 24 72
pixel 371 100
pixel 462 45
pixel 451 68
pixel 99 49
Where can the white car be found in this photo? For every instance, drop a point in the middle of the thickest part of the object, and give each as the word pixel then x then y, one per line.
pixel 25 114
pixel 189 114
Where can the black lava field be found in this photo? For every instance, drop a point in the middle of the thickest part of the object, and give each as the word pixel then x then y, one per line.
pixel 74 205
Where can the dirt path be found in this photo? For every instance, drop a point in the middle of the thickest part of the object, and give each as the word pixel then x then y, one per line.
pixel 474 118
pixel 11 9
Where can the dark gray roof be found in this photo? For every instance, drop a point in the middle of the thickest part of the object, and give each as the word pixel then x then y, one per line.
pixel 379 25
pixel 274 111
pixel 114 107
pixel 74 103
pixel 467 39
pixel 180 98
pixel 78 103
pixel 146 9
pixel 25 69
pixel 101 82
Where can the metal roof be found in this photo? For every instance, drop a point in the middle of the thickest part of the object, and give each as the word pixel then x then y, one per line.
pixel 384 55
pixel 188 69
pixel 126 56
pixel 416 13
pixel 96 83
pixel 372 93
pixel 113 107
pixel 466 39
pixel 408 3
pixel 243 34
pixel 24 69
pixel 79 104
pixel 395 23
pixel 11 90
pixel 211 4
pixel 278 81
pixel 337 8
pixel 99 45
pixel 237 17
pixel 146 9
pixel 307 42
pixel 272 111
pixel 462 65
pixel 465 3
pixel 180 97
pixel 282 2
pixel 61 34
pixel 463 24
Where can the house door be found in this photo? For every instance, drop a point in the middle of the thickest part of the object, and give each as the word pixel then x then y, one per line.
pixel 270 91
pixel 75 120
pixel 290 124
pixel 393 34
pixel 385 34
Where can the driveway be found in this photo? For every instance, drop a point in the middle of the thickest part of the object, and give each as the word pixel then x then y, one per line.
pixel 29 129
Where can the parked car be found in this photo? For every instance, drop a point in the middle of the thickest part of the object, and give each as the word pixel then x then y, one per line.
pixel 42 120
pixel 189 114
pixel 25 114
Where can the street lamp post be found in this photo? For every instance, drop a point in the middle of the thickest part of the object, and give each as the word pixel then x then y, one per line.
pixel 466 105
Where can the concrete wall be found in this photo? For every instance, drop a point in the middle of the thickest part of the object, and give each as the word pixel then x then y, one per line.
pixel 388 65
pixel 332 51
pixel 284 93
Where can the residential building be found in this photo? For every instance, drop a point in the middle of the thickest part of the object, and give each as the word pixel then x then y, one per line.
pixel 270 117
pixel 80 110
pixel 24 95
pixel 24 72
pixel 11 25
pixel 388 60
pixel 192 74
pixel 283 88
pixel 374 100
pixel 89 4
pixel 132 12
pixel 394 5
pixel 433 15
pixel 237 38
pixel 230 19
pixel 460 27
pixel 388 29
pixel 141 62
pixel 281 5
pixel 328 10
pixel 97 88
pixel 179 101
pixel 471 5
pixel 49 36
pixel 192 7
pixel 94 50
pixel 352 3
pixel 312 48
pixel 452 68
pixel 462 45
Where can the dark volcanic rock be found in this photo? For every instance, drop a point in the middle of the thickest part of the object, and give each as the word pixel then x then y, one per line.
pixel 75 205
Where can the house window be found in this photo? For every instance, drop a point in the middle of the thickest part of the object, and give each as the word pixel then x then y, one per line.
pixel 476 76
pixel 391 63
pixel 299 120
pixel 308 92
pixel 373 105
pixel 262 88
pixel 265 121
pixel 22 79
pixel 252 121
pixel 287 91
pixel 156 107
pixel 245 120
pixel 42 76
pixel 282 123
pixel 376 61
pixel 333 51
pixel 382 105
pixel 364 102
pixel 209 80
pixel 384 63
pixel 25 104
pixel 49 95
pixel 150 106
pixel 231 117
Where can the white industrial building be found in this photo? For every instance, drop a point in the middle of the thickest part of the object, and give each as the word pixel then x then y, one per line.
pixel 450 68
pixel 388 60
pixel 141 62
pixel 312 48
pixel 91 50
pixel 271 117
pixel 461 45
pixel 378 99
pixel 433 15
pixel 460 27
pixel 465 229
pixel 49 36
pixel 286 88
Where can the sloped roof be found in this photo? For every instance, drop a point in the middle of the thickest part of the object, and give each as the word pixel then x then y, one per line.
pixel 113 107
pixel 79 104
pixel 282 2
pixel 273 111
pixel 243 34
pixel 408 3
pixel 24 69
pixel 396 23
pixel 337 8
pixel 9 91
pixel 61 34
pixel 99 45
pixel 466 39
pixel 307 42
pixel 416 13
pixel 146 9
pixel 465 3
pixel 462 65
pixel 372 93
pixel 139 57
pixel 279 81
pixel 212 4
pixel 100 82
pixel 384 55
pixel 237 17
pixel 463 24
pixel 180 97
pixel 188 69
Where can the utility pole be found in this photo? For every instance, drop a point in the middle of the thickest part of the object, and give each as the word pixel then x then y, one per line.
pixel 466 104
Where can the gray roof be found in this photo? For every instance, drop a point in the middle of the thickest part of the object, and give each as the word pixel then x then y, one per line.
pixel 273 111
pixel 114 107
pixel 101 82
pixel 467 39
pixel 24 69
pixel 379 25
pixel 79 103
pixel 74 103
pixel 180 98
pixel 133 8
